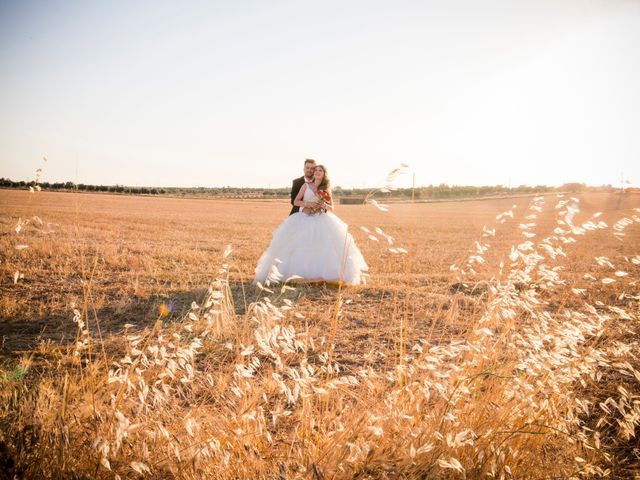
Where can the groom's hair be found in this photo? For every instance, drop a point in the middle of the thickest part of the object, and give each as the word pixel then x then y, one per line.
pixel 309 160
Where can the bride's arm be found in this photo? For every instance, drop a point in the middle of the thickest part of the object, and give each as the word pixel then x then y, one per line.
pixel 329 206
pixel 298 202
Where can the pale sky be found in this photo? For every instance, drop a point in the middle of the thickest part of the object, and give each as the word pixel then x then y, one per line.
pixel 187 93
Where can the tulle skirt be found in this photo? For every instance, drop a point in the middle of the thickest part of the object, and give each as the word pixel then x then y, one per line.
pixel 314 247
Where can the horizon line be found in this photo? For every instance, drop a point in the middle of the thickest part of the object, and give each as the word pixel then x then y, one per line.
pixel 34 182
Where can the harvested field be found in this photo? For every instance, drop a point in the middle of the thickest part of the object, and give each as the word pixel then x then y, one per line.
pixel 389 368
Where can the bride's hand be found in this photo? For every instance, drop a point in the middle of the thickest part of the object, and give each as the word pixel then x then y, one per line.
pixel 311 210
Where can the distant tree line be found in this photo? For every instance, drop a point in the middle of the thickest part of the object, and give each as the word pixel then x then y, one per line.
pixel 419 193
pixel 6 183
pixel 460 191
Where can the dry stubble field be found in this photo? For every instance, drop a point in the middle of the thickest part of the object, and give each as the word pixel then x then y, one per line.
pixel 140 251
pixel 418 374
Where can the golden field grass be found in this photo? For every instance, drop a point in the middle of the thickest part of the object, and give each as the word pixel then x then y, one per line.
pixel 419 374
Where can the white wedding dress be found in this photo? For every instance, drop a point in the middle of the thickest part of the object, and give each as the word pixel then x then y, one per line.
pixel 315 247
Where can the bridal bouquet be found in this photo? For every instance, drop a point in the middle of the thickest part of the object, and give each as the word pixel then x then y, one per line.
pixel 324 201
pixel 325 198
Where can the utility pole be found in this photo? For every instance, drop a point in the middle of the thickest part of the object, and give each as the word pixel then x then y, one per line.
pixel 413 189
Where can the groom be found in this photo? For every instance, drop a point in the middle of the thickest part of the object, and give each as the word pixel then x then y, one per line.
pixel 309 167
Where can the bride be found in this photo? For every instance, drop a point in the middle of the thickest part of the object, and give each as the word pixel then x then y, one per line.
pixel 313 243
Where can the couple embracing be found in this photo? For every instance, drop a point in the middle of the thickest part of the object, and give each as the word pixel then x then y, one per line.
pixel 312 243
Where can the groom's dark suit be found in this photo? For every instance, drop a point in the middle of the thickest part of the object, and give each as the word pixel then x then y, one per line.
pixel 295 189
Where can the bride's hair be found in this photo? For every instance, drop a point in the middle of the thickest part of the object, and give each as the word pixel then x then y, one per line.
pixel 325 184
